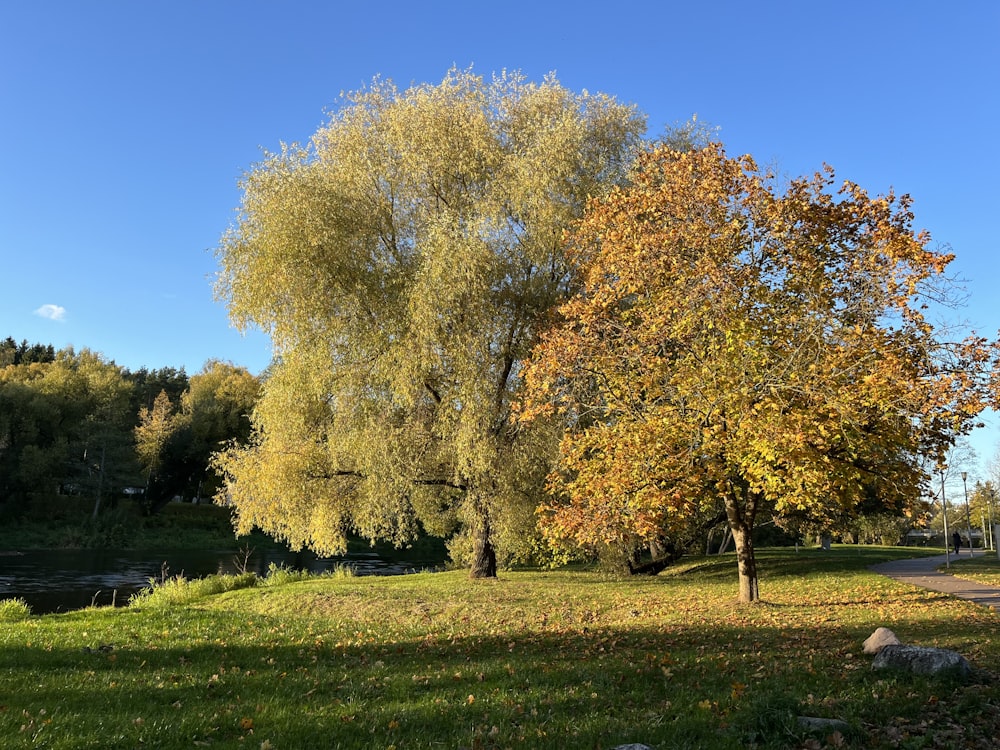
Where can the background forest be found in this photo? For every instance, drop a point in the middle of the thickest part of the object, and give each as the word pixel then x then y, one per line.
pixel 80 436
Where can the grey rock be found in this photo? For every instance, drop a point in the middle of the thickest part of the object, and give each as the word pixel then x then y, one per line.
pixel 878 640
pixel 818 724
pixel 633 746
pixel 921 660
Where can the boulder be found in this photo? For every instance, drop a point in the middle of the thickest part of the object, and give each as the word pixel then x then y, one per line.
pixel 878 640
pixel 818 724
pixel 921 660
pixel 633 746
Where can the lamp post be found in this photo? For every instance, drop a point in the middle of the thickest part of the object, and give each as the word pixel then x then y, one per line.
pixel 968 515
pixel 987 490
pixel 993 530
pixel 986 530
pixel 989 511
pixel 944 515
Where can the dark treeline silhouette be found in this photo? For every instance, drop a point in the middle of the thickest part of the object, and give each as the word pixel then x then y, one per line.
pixel 13 353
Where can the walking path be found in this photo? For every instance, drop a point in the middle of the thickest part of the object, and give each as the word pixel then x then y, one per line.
pixel 922 572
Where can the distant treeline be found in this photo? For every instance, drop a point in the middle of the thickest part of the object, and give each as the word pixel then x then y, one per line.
pixel 13 353
pixel 73 423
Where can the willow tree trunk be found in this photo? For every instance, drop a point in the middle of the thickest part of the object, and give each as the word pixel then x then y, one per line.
pixel 484 555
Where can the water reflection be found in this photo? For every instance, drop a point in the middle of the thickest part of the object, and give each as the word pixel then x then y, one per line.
pixel 63 580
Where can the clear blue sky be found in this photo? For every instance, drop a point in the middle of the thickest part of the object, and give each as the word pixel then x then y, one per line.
pixel 125 126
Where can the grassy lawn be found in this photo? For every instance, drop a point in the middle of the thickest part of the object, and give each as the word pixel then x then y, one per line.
pixel 561 659
pixel 982 569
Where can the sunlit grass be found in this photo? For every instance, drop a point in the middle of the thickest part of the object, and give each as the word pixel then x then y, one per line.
pixel 12 610
pixel 982 569
pixel 535 659
pixel 178 590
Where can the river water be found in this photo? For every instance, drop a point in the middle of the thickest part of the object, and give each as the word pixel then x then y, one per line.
pixel 62 580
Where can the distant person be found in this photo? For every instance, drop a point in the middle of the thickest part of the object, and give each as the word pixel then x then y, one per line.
pixel 956 541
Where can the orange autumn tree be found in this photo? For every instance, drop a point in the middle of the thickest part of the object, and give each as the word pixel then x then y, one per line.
pixel 745 343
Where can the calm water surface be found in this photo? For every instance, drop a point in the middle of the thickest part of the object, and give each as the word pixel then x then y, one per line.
pixel 62 580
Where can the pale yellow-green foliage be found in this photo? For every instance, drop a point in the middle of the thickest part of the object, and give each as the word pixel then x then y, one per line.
pixel 404 263
pixel 220 391
pixel 153 431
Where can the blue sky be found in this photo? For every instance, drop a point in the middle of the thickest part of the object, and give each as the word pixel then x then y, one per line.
pixel 126 125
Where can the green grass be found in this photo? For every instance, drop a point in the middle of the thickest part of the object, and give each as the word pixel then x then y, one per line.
pixel 12 610
pixel 536 659
pixel 982 569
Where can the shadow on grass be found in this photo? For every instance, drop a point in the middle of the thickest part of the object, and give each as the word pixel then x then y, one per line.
pixel 225 679
pixel 777 562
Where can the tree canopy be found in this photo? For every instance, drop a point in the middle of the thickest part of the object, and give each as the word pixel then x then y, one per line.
pixel 403 263
pixel 12 353
pixel 63 427
pixel 741 341
pixel 75 423
pixel 176 442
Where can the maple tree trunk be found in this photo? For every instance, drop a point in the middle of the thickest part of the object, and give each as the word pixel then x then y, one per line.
pixel 746 564
pixel 740 512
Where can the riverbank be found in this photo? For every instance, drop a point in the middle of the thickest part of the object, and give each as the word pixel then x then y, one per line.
pixel 73 563
pixel 532 660
pixel 177 526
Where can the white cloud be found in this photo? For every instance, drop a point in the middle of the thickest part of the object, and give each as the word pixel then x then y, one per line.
pixel 52 312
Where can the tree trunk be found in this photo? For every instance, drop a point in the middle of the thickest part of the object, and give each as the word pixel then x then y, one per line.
pixel 746 564
pixel 727 537
pixel 100 483
pixel 484 556
pixel 741 512
pixel 664 554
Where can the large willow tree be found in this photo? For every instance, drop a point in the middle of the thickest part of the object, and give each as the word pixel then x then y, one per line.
pixel 404 262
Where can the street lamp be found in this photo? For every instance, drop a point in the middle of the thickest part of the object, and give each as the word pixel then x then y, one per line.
pixel 944 515
pixel 987 534
pixel 989 511
pixel 968 515
pixel 986 495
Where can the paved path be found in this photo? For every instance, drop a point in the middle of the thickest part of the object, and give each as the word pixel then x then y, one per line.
pixel 922 572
